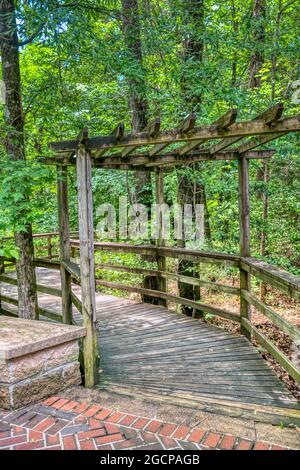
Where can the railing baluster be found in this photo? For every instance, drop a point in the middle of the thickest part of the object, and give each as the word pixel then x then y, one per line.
pixel 49 246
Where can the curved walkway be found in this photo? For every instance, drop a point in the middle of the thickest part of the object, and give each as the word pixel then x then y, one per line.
pixel 154 350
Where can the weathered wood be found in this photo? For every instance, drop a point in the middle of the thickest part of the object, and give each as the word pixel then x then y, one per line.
pixel 260 413
pixel 278 355
pixel 184 127
pixel 175 159
pixel 8 280
pixel 152 128
pixel 49 290
pixel 49 246
pixel 138 160
pixel 269 116
pixel 260 140
pixel 244 224
pixel 45 263
pixel 176 357
pixel 8 312
pixel 173 276
pixel 77 302
pixel 87 269
pixel 240 129
pixel 279 321
pixel 118 132
pixel 287 283
pixel 223 122
pixel 193 255
pixel 172 298
pixel 41 235
pixel 39 287
pixel 161 260
pixel 41 311
pixel 2 270
pixel 64 242
pixel 73 269
pixel 9 300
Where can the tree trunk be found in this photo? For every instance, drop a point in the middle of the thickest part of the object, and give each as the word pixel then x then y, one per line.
pixel 187 195
pixel 16 150
pixel 235 31
pixel 193 47
pixel 275 48
pixel 190 192
pixel 258 40
pixel 137 88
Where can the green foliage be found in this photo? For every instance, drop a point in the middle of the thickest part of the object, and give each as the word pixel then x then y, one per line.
pixel 75 72
pixel 21 182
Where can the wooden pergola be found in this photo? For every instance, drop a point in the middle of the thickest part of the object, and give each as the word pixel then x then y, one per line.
pixel 154 150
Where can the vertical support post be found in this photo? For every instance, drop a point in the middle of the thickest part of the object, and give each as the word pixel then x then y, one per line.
pixel 64 242
pixel 49 246
pixel 244 217
pixel 87 266
pixel 161 260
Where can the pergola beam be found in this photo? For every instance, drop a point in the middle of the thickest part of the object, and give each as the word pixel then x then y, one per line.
pixel 118 133
pixel 257 141
pixel 152 129
pixel 223 122
pixel 240 129
pixel 269 116
pixel 140 161
pixel 183 127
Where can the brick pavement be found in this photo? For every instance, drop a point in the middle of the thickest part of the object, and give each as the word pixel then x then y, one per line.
pixel 61 424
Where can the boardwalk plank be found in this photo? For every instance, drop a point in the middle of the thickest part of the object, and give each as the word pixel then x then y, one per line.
pixel 150 349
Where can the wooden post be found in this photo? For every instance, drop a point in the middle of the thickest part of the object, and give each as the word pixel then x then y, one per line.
pixel 49 246
pixel 87 267
pixel 161 260
pixel 244 216
pixel 64 242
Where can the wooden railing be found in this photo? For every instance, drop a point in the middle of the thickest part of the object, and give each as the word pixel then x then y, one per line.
pixel 281 280
pixel 286 283
pixel 49 250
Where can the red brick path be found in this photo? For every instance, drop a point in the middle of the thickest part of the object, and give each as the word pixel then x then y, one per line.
pixel 60 424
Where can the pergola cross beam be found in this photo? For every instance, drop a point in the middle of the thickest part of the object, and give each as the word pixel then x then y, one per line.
pixel 184 127
pixel 268 116
pixel 223 122
pixel 205 133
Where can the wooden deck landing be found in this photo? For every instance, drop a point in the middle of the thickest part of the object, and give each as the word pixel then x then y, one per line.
pixel 148 349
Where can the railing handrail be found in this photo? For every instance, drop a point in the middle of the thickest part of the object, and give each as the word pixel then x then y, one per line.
pixel 167 251
pixel 285 282
pixel 39 235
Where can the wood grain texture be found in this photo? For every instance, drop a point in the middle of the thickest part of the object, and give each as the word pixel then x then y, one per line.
pixel 87 268
pixel 156 352
pixel 244 224
pixel 64 241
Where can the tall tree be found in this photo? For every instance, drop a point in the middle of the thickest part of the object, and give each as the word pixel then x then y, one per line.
pixel 137 85
pixel 190 189
pixel 15 148
pixel 258 40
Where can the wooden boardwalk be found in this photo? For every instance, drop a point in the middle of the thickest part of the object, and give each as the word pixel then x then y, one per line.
pixel 150 349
